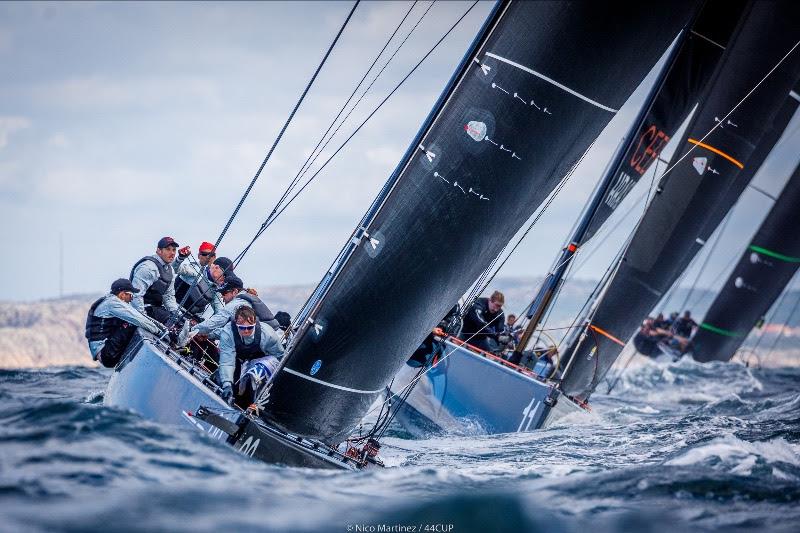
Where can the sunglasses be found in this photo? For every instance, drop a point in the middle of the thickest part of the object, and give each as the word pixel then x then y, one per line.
pixel 206 254
pixel 246 328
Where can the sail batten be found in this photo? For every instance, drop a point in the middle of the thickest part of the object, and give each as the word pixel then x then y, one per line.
pixel 497 146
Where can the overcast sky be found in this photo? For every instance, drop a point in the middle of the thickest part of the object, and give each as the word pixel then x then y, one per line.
pixel 123 122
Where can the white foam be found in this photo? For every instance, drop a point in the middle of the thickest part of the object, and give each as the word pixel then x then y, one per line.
pixel 743 454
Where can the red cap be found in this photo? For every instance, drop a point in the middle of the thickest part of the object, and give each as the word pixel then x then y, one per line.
pixel 206 247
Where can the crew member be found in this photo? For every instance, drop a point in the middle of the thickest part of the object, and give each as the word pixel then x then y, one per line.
pixel 234 296
pixel 512 329
pixel 251 347
pixel 112 321
pixel 195 286
pixel 484 323
pixel 154 278
pixel 685 325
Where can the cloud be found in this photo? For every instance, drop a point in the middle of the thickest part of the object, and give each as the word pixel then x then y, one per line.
pixel 10 125
pixel 100 93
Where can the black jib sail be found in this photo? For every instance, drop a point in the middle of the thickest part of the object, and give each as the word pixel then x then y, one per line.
pixel 763 271
pixel 685 82
pixel 536 88
pixel 690 194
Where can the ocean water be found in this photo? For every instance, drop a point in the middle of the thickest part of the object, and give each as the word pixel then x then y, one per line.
pixel 680 447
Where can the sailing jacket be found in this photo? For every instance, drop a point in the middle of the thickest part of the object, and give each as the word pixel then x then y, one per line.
pixel 202 294
pixel 269 344
pixel 109 313
pixel 210 325
pixel 480 323
pixel 155 280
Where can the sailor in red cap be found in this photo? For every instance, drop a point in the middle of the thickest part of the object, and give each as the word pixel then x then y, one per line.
pixel 154 280
pixel 193 293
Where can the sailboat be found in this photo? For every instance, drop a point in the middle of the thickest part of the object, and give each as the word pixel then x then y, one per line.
pixel 660 350
pixel 525 102
pixel 764 270
pixel 690 200
pixel 470 389
pixel 711 167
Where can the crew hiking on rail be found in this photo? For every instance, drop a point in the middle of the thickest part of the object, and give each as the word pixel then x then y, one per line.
pixel 194 302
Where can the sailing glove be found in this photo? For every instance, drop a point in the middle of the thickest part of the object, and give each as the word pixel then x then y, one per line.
pixel 227 393
pixel 185 251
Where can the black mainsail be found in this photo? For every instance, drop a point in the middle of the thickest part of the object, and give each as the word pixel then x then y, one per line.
pixel 536 88
pixel 676 222
pixel 686 80
pixel 763 271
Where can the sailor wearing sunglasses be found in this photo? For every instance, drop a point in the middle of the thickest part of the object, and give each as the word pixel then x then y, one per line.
pixel 249 351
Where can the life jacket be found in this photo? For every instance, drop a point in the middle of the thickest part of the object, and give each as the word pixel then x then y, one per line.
pixel 155 294
pixel 246 352
pixel 262 311
pixel 644 344
pixel 200 295
pixel 99 328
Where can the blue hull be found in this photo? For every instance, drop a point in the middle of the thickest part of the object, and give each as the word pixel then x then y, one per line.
pixel 469 392
pixel 160 385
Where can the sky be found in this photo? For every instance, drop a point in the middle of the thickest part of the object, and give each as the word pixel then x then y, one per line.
pixel 124 122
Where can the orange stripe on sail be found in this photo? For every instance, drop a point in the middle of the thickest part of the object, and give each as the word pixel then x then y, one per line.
pixel 606 334
pixel 717 151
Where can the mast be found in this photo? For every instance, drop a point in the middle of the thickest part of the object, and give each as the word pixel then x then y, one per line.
pixel 752 79
pixel 765 268
pixel 525 104
pixel 544 298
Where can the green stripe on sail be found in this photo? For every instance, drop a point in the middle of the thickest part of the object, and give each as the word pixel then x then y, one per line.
pixel 775 255
pixel 719 331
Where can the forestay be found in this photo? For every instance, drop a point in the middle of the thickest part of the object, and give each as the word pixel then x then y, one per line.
pixel 536 88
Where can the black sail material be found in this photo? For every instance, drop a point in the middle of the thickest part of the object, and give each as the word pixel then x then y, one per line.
pixel 685 82
pixel 535 90
pixel 763 271
pixel 691 195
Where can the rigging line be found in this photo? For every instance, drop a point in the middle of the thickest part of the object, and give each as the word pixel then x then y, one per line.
pixel 717 124
pixel 285 126
pixel 725 269
pixel 772 315
pixel 269 221
pixel 608 275
pixel 304 167
pixel 621 372
pixel 607 233
pixel 414 381
pixel 608 272
pixel 549 200
pixel 783 327
pixel 366 91
pixel 710 253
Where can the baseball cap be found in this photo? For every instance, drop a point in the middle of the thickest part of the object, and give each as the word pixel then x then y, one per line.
pixel 165 242
pixel 225 264
pixel 206 247
pixel 122 285
pixel 232 281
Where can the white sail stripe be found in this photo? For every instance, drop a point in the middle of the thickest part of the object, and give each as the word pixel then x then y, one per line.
pixel 331 385
pixel 554 82
pixel 794 95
